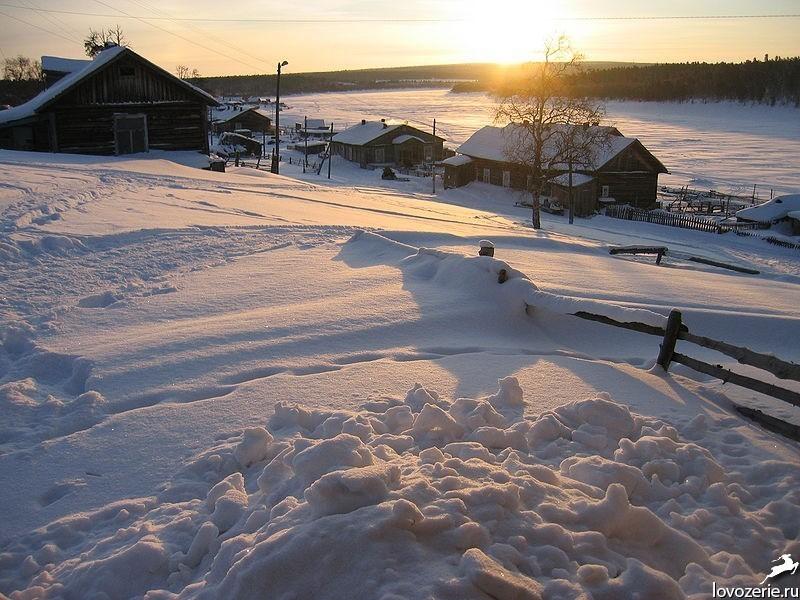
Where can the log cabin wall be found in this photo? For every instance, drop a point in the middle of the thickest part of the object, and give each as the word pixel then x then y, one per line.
pixel 81 119
pixel 90 130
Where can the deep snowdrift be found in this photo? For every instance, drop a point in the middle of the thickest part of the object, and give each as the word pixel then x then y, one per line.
pixel 426 497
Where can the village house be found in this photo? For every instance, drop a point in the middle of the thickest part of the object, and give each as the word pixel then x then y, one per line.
pixel 621 170
pixel 313 128
pixel 379 143
pixel 117 103
pixel 253 119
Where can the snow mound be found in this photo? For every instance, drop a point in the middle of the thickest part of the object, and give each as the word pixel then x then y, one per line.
pixel 479 277
pixel 429 498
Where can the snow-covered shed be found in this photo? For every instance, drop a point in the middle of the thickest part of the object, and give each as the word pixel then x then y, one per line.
pixel 254 119
pixel 117 103
pixel 620 167
pixel 458 171
pixel 780 209
pixel 381 143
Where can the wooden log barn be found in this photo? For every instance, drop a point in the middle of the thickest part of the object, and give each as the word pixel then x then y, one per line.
pixel 379 143
pixel 117 103
pixel 622 170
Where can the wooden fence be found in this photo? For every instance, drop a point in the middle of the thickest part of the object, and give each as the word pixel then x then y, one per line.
pixel 629 213
pixel 676 330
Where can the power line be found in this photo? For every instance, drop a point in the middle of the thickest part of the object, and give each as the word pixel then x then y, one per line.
pixel 408 20
pixel 177 35
pixel 55 33
pixel 206 33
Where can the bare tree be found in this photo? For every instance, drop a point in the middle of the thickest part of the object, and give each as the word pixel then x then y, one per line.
pixel 184 72
pixel 97 41
pixel 547 133
pixel 22 68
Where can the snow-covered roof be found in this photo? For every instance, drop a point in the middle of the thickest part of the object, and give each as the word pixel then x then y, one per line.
pixel 236 114
pixel 363 133
pixel 32 106
pixel 63 65
pixel 457 160
pixel 315 123
pixel 578 179
pixel 492 143
pixel 402 139
pixel 794 214
pixel 769 212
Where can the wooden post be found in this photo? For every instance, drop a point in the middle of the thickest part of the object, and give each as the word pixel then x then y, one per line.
pixel 330 156
pixel 670 337
pixel 433 166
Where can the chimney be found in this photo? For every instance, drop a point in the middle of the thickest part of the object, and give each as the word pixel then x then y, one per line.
pixel 363 121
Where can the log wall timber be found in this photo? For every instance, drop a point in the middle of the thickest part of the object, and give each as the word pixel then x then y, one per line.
pixel 169 127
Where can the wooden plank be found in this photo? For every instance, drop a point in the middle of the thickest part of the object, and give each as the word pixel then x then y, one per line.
pixel 722 265
pixel 780 368
pixel 785 429
pixel 746 382
pixel 633 325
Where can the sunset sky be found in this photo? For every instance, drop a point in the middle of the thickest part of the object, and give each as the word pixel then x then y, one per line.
pixel 250 36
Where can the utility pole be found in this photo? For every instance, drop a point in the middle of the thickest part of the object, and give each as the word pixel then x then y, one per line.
pixel 433 166
pixel 305 134
pixel 277 156
pixel 570 200
pixel 330 150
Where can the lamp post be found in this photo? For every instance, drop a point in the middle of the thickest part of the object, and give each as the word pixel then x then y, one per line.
pixel 276 159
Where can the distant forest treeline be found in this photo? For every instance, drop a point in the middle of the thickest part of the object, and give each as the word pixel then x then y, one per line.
pixel 765 81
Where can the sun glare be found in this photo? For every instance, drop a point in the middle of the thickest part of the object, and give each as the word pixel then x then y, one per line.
pixel 505 31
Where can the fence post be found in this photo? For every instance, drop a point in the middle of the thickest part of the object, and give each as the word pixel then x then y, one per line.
pixel 670 337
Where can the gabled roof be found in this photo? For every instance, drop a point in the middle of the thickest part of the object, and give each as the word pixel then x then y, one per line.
pixel 68 82
pixel 402 139
pixel 491 143
pixel 238 114
pixel 457 160
pixel 363 133
pixel 63 65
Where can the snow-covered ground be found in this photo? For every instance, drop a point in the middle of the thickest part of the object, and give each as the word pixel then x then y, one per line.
pixel 724 146
pixel 243 385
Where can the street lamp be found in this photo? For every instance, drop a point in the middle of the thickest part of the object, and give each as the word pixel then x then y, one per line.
pixel 277 157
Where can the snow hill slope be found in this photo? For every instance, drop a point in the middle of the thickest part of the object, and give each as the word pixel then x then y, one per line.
pixel 203 378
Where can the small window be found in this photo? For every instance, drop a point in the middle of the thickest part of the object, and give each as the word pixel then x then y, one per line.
pixel 127 71
pixel 506 178
pixel 487 175
pixel 605 192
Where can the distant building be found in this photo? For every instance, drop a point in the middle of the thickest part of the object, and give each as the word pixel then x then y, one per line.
pixel 313 128
pixel 55 67
pixel 379 143
pixel 622 170
pixel 783 209
pixel 117 103
pixel 254 119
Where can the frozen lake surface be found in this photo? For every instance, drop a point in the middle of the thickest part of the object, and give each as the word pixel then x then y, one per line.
pixel 725 146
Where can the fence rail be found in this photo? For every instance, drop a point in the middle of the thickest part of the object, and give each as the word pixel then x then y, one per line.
pixel 676 330
pixel 630 213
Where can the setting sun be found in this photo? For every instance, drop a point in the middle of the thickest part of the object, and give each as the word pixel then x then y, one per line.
pixel 505 31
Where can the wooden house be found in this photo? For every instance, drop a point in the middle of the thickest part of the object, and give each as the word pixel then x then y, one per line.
pixel 379 143
pixel 621 170
pixel 255 119
pixel 117 103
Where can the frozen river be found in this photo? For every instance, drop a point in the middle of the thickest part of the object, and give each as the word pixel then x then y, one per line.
pixel 724 146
